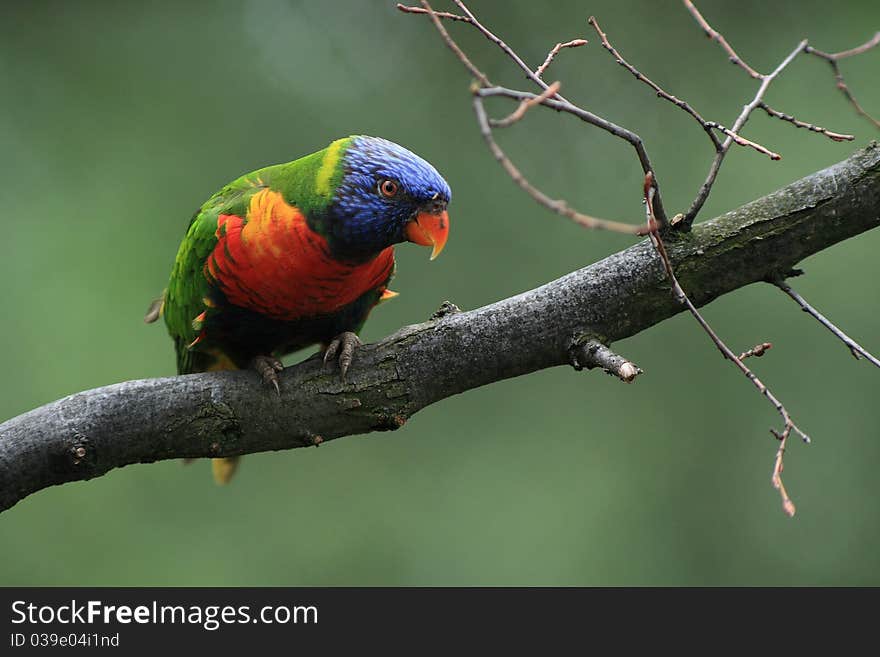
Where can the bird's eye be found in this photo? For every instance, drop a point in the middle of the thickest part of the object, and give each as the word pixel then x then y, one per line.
pixel 388 188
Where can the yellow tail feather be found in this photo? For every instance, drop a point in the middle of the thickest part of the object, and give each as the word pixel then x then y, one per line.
pixel 224 469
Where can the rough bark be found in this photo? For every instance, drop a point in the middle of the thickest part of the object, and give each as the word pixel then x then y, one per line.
pixel 226 413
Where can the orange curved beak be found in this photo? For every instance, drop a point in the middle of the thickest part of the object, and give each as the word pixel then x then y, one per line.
pixel 429 229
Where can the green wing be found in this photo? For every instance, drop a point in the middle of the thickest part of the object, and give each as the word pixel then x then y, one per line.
pixel 188 287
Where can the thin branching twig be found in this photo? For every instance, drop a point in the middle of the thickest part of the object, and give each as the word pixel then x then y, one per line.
pixel 788 424
pixel 574 43
pixel 628 135
pixel 719 38
pixel 742 141
pixel 873 42
pixel 833 60
pixel 439 14
pixel 468 17
pixel 549 96
pixel 766 78
pixel 486 32
pixel 855 348
pixel 659 91
pixel 557 206
pixel 747 110
pixel 452 45
pixel 524 106
pixel 835 136
pixel 708 126
pixel 566 107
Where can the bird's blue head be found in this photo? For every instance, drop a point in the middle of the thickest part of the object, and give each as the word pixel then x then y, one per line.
pixel 386 195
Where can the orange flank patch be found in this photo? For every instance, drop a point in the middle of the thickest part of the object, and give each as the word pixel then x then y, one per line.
pixel 274 264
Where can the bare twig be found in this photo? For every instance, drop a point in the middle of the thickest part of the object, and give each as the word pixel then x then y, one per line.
pixel 707 127
pixel 719 38
pixel 836 136
pixel 574 43
pixel 742 141
pixel 557 206
pixel 778 466
pixel 453 46
pixel 873 42
pixel 439 14
pixel 732 134
pixel 788 424
pixel 530 74
pixel 591 353
pixel 629 136
pixel 757 351
pixel 550 97
pixel 706 187
pixel 524 106
pixel 574 110
pixel 833 60
pixel 855 348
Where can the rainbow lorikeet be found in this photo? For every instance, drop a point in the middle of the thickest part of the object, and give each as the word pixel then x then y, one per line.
pixel 297 254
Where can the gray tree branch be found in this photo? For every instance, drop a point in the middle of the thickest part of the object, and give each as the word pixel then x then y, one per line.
pixel 90 433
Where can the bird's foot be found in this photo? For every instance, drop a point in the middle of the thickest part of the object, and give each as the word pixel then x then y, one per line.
pixel 342 345
pixel 268 367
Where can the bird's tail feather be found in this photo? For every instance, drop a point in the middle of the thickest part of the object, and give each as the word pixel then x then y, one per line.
pixel 224 469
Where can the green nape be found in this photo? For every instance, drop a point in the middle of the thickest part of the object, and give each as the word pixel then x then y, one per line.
pixel 308 183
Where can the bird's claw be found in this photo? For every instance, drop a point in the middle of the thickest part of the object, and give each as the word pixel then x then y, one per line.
pixel 268 367
pixel 344 345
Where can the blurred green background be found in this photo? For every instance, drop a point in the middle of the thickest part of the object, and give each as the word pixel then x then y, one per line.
pixel 117 119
